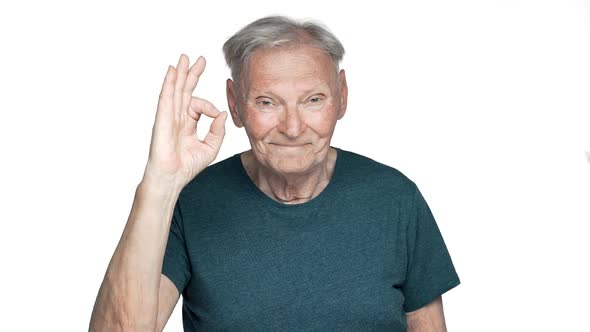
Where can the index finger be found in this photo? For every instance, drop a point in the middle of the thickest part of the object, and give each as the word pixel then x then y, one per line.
pixel 200 106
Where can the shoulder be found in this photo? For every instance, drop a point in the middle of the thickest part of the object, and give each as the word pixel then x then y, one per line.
pixel 219 175
pixel 360 169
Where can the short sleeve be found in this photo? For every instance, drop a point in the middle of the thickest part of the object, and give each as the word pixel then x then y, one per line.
pixel 430 270
pixel 176 264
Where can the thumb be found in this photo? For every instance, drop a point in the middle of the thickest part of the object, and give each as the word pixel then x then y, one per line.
pixel 216 131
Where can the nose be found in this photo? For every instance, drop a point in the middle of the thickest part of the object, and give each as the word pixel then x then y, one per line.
pixel 291 123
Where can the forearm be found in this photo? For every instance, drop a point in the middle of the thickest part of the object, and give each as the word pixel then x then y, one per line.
pixel 128 297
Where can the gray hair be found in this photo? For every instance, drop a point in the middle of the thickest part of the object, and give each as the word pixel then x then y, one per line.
pixel 276 31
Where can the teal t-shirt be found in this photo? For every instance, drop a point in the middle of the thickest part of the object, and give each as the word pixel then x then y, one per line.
pixel 356 257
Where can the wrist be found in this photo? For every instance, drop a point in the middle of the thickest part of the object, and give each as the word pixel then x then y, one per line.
pixel 161 186
pixel 157 179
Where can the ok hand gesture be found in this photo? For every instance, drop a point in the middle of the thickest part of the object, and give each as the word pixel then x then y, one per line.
pixel 176 154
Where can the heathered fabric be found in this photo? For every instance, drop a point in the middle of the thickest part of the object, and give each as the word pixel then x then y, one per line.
pixel 357 257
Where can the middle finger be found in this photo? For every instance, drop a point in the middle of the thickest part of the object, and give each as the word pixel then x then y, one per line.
pixel 191 81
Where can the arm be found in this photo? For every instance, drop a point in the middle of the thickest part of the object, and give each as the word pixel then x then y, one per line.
pixel 134 295
pixel 128 297
pixel 167 298
pixel 429 318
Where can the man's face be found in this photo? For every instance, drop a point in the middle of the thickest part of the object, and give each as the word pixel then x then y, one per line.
pixel 291 103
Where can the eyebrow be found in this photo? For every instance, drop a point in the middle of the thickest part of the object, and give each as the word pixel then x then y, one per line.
pixel 306 92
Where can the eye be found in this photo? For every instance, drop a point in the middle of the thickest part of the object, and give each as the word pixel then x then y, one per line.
pixel 316 99
pixel 265 103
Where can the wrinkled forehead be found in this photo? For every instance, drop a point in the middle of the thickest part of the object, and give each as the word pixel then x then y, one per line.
pixel 289 67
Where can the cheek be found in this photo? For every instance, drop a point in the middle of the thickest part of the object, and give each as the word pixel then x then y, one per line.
pixel 258 124
pixel 323 122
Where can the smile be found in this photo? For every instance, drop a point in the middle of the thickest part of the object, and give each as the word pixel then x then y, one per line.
pixel 290 146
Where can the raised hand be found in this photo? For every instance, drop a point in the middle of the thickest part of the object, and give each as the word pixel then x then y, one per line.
pixel 176 153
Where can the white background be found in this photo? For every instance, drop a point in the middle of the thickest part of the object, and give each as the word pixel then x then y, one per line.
pixel 484 104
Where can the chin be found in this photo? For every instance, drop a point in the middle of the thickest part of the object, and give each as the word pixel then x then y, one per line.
pixel 291 165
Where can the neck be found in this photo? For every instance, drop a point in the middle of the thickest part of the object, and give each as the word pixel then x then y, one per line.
pixel 290 188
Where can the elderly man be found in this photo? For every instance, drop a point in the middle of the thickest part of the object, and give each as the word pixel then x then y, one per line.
pixel 293 234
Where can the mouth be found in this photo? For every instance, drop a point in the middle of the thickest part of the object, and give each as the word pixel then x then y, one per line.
pixel 290 145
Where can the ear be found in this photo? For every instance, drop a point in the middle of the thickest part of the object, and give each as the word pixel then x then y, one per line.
pixel 343 94
pixel 232 100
